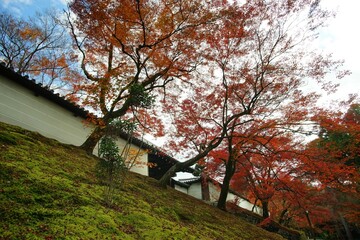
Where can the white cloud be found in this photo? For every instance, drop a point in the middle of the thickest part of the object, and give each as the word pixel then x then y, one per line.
pixel 63 2
pixel 13 5
pixel 10 8
pixel 5 3
pixel 342 39
pixel 26 2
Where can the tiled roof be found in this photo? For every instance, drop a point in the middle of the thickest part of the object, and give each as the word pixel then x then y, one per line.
pixel 39 90
pixel 190 180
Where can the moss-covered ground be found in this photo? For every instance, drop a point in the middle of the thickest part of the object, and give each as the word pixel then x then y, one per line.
pixel 49 190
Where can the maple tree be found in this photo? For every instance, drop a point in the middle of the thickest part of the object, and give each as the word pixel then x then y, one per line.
pixel 322 181
pixel 306 208
pixel 299 186
pixel 341 135
pixel 338 147
pixel 39 47
pixel 130 49
pixel 309 180
pixel 263 166
pixel 256 68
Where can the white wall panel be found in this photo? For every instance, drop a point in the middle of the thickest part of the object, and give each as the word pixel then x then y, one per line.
pixel 21 107
pixel 195 190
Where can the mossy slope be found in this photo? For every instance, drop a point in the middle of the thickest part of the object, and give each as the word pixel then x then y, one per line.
pixel 49 190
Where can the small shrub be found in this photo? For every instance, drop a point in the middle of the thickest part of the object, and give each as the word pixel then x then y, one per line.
pixel 111 167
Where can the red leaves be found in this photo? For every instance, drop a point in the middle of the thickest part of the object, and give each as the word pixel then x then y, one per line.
pixel 147 43
pixel 230 74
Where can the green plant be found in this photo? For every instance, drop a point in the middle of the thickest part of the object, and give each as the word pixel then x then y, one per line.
pixel 111 167
pixel 139 97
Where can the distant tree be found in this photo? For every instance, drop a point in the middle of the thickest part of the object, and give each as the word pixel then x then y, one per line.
pixel 263 166
pixel 310 185
pixel 338 146
pixel 300 186
pixel 39 47
pixel 341 135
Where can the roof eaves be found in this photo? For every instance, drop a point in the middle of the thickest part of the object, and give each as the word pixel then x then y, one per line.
pixel 181 184
pixel 190 180
pixel 40 90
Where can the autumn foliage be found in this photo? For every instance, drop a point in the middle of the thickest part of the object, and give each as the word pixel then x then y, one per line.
pixel 227 83
pixel 129 45
pixel 248 117
pixel 311 186
pixel 253 77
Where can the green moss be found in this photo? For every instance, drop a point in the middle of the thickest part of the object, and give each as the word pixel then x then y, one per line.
pixel 7 138
pixel 167 233
pixel 49 190
pixel 167 211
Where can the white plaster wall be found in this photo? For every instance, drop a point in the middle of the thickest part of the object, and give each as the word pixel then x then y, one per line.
pixel 181 189
pixel 140 164
pixel 248 205
pixel 231 197
pixel 243 203
pixel 195 190
pixel 19 106
pixel 214 192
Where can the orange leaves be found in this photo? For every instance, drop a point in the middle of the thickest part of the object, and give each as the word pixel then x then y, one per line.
pixel 339 142
pixel 147 43
pixel 62 61
pixel 38 47
pixel 29 33
pixel 331 161
pixel 152 165
pixel 134 158
pixel 44 62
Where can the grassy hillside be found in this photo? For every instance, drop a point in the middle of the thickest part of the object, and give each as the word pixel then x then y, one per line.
pixel 49 190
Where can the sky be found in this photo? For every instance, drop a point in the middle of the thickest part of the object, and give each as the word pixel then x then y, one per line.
pixel 340 37
pixel 29 7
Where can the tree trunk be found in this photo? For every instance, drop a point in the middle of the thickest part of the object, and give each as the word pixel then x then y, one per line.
pixel 312 233
pixel 282 216
pixel 93 139
pixel 346 226
pixel 165 179
pixel 229 172
pixel 205 192
pixel 265 207
pixel 254 206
